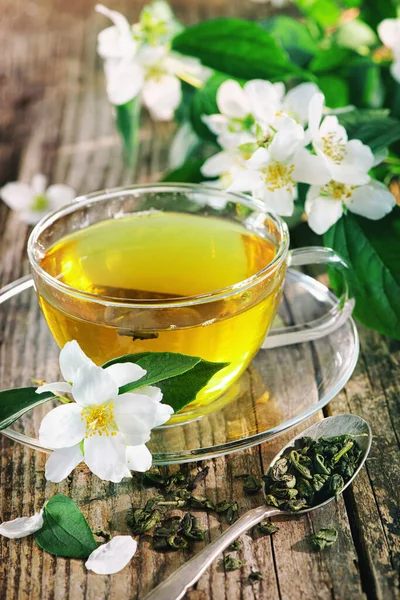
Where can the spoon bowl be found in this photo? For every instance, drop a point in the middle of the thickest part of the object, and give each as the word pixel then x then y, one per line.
pixel 177 584
pixel 330 427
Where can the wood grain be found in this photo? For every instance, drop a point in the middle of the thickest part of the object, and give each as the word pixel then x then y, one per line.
pixel 54 118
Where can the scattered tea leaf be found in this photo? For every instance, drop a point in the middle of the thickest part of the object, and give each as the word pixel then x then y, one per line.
pixel 267 528
pixel 231 563
pixel 324 538
pixel 256 576
pixel 236 545
pixel 199 477
pixel 251 484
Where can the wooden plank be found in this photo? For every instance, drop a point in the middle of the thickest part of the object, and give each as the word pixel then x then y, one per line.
pixel 55 118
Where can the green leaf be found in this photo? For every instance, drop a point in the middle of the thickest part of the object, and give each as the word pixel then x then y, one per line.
pixel 372 248
pixel 374 128
pixel 364 77
pixel 180 391
pixel 294 36
pixel 325 12
pixel 190 171
pixel 335 89
pixel 127 118
pixel 330 59
pixel 204 102
pixel 239 48
pixel 179 376
pixel 15 403
pixel 65 531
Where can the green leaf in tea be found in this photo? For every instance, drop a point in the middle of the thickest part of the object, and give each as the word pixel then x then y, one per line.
pixel 239 48
pixel 15 403
pixel 231 563
pixel 324 538
pixel 65 531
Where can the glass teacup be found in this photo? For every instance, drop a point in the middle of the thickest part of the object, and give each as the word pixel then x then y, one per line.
pixel 170 267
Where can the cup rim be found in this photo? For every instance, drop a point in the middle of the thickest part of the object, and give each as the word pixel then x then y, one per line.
pixel 183 301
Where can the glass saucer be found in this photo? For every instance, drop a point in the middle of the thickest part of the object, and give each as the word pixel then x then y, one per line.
pixel 282 387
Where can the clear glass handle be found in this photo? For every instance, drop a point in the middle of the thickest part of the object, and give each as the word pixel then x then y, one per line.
pixel 328 322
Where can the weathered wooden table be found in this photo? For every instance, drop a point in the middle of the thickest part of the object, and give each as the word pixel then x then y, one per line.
pixel 54 118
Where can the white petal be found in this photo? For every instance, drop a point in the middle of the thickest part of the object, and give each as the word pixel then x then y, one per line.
pixel 260 159
pixel 315 114
pixel 124 80
pixel 372 201
pixel 152 392
pixel 162 96
pixel 38 184
pixel 62 427
pixel 297 101
pixel 56 388
pixel 322 211
pixel 309 168
pixel 106 456
pixel 395 70
pixel 113 556
pixel 389 32
pixel 116 41
pixel 93 385
pixel 232 100
pixel 132 406
pixel 216 123
pixel 139 458
pixel 245 181
pixel 218 164
pixel 265 99
pixel 286 140
pixel 280 201
pixel 59 195
pixel 380 156
pixel 353 169
pixel 138 437
pixel 72 357
pixel 62 462
pixel 163 414
pixel 123 373
pixel 330 126
pixel 21 527
pixel 18 196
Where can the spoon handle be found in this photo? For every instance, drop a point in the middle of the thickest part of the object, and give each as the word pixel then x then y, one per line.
pixel 178 583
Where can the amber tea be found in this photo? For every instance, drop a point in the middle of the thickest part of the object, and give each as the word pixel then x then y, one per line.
pixel 147 280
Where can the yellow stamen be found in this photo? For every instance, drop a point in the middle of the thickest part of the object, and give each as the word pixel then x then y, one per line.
pixel 338 191
pixel 278 176
pixel 99 420
pixel 333 147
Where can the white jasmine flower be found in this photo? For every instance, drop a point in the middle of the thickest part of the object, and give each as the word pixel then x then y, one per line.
pixel 115 44
pixel 296 103
pixel 226 165
pixel 347 161
pixel 274 169
pixel 21 527
pixel 103 428
pixel 113 556
pixel 389 32
pixel 241 107
pixel 34 201
pixel 157 23
pixel 325 205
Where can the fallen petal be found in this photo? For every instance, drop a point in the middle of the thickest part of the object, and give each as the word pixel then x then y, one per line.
pixel 21 527
pixel 112 557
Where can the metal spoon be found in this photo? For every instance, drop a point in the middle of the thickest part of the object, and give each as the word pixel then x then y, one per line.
pixel 178 583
